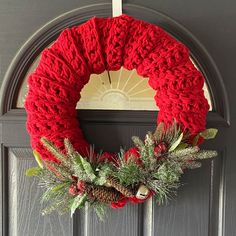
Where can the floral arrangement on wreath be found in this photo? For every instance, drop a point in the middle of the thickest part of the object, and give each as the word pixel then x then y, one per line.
pixel 70 171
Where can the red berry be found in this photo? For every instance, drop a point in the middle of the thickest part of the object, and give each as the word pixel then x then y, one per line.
pixel 73 190
pixel 81 186
pixel 108 157
pixel 120 203
pixel 133 154
pixel 160 148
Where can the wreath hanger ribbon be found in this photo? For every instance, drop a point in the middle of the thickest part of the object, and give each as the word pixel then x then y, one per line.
pixel 116 8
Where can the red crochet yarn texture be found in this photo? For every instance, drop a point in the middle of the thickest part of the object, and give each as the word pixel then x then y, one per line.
pixel 107 44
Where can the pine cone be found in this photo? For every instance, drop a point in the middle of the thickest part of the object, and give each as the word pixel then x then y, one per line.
pixel 120 188
pixel 101 193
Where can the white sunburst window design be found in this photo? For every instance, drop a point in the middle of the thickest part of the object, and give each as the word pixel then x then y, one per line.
pixel 118 90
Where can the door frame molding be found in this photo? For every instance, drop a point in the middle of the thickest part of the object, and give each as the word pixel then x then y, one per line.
pixel 49 32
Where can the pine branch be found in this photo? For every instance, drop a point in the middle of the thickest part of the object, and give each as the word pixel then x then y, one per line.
pixel 169 172
pixel 137 142
pixel 48 178
pixel 55 151
pixel 128 173
pixel 191 165
pixel 61 205
pixel 69 147
pixel 100 210
pixel 160 162
pixel 172 133
pixel 205 154
pixel 60 170
pixel 184 152
pixel 163 191
pixel 55 192
pixel 158 134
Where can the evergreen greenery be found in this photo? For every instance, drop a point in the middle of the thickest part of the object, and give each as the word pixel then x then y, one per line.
pixel 159 171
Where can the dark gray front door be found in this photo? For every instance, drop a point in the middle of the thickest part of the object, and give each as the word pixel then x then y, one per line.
pixel 204 206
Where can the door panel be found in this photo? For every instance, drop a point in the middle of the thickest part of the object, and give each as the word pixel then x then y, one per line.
pixel 24 200
pixel 197 210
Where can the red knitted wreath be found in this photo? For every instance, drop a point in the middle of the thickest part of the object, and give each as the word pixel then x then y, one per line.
pixel 107 44
pixel 154 166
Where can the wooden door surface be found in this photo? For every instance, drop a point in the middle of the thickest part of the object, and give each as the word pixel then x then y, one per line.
pixel 205 205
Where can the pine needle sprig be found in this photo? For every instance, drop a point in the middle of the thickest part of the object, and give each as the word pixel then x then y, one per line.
pixel 128 172
pixel 100 209
pixel 206 154
pixel 163 191
pixel 60 170
pixel 56 152
pixel 69 147
pixel 191 165
pixel 183 152
pixel 156 165
pixel 192 153
pixel 171 134
pixel 137 142
pixel 158 134
pixel 147 152
pixel 55 191
pixel 61 205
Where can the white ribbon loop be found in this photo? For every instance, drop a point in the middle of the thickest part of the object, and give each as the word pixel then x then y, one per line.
pixel 116 8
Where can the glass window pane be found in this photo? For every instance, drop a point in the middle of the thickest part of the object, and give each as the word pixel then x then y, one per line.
pixel 118 90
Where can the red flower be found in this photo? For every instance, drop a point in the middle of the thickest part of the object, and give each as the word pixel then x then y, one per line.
pixel 200 140
pixel 133 153
pixel 108 157
pixel 160 148
pixel 120 203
